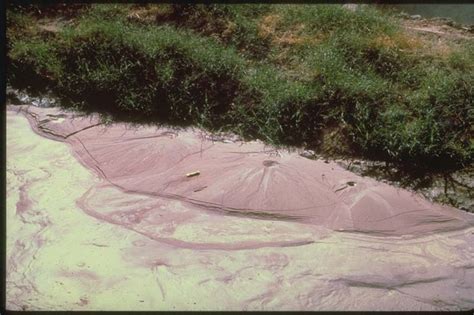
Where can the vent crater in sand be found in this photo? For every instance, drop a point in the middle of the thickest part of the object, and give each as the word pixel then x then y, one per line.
pixel 269 163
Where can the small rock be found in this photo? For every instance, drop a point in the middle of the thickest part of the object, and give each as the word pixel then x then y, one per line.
pixel 403 15
pixel 415 17
pixel 308 154
pixel 24 98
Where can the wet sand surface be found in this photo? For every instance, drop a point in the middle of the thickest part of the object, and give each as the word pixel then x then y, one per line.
pixel 105 218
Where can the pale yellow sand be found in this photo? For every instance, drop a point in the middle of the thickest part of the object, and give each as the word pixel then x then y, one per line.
pixel 59 258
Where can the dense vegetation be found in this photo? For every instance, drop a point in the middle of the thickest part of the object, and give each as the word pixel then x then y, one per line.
pixel 321 76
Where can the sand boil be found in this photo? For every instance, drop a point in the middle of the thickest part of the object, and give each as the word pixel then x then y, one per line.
pixel 158 218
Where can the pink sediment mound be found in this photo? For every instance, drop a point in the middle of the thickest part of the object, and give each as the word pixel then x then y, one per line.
pixel 245 178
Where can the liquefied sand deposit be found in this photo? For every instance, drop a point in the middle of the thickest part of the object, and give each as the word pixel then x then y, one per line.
pixel 255 228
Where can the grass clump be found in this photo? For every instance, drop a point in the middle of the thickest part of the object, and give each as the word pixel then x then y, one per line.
pixel 231 25
pixel 320 76
pixel 126 69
